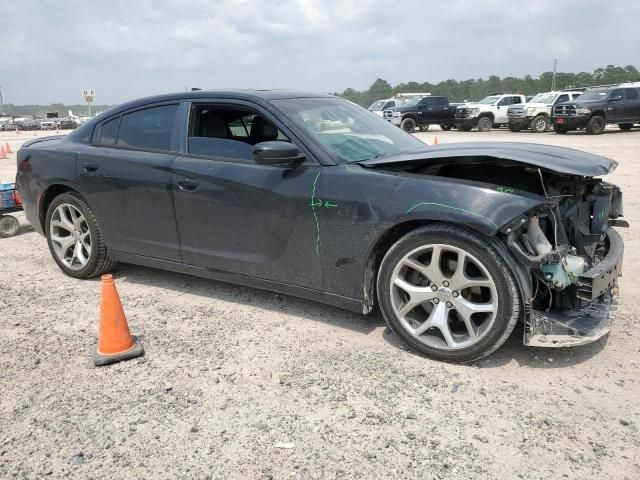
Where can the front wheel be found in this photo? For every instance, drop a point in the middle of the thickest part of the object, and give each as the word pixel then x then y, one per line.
pixel 514 127
pixel 424 127
pixel 447 294
pixel 485 124
pixel 540 124
pixel 595 125
pixel 75 238
pixel 408 125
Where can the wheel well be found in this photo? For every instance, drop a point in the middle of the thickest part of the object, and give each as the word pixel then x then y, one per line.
pixel 377 253
pixel 599 113
pixel 486 114
pixel 50 193
pixel 411 116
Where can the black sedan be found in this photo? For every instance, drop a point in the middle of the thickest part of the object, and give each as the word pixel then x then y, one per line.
pixel 311 195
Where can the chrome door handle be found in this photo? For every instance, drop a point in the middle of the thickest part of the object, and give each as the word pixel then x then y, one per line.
pixel 187 185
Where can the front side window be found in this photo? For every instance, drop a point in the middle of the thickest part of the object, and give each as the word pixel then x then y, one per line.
pixel 347 131
pixel 617 93
pixel 505 101
pixel 229 131
pixel 150 128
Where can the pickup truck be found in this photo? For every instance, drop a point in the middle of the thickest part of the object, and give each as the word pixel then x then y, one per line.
pixel 379 106
pixel 491 111
pixel 598 107
pixel 536 113
pixel 422 113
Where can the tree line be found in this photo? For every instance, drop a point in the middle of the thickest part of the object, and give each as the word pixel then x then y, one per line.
pixel 476 89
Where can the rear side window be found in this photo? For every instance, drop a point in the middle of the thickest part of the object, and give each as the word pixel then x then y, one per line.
pixel 631 93
pixel 150 128
pixel 108 132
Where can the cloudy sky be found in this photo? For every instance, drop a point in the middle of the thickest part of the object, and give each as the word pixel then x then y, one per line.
pixel 50 50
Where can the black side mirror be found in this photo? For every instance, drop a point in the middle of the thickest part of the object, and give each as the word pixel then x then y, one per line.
pixel 276 153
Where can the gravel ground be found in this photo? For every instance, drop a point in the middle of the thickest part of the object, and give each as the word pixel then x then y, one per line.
pixel 241 383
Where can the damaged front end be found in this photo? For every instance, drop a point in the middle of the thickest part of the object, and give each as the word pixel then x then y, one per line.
pixel 575 258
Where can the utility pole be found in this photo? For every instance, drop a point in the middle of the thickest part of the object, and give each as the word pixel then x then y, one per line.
pixel 555 69
pixel 1 103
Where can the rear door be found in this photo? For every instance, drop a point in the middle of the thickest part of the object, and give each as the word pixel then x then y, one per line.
pixel 631 104
pixel 237 216
pixel 125 177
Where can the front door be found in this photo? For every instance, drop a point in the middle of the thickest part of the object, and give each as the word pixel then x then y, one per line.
pixel 125 177
pixel 237 216
pixel 616 106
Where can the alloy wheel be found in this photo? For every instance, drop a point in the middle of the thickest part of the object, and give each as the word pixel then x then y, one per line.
pixel 70 236
pixel 443 296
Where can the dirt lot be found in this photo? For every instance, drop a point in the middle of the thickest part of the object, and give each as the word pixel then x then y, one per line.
pixel 241 383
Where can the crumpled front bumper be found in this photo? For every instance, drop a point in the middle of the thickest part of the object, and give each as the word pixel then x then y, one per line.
pixel 597 287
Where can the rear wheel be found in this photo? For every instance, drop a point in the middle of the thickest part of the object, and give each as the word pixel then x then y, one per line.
pixel 514 127
pixel 9 226
pixel 423 127
pixel 625 126
pixel 485 124
pixel 447 294
pixel 595 125
pixel 408 125
pixel 464 128
pixel 445 127
pixel 75 238
pixel 540 124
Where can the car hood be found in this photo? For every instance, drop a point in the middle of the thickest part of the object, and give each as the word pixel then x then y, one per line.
pixel 554 159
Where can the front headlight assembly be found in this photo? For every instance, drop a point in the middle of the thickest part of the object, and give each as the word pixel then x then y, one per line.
pixel 583 111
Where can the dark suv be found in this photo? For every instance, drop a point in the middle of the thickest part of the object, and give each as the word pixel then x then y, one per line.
pixel 597 107
pixel 422 113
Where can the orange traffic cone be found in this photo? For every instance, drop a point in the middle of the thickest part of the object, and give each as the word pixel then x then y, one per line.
pixel 2 154
pixel 115 342
pixel 7 148
pixel 435 140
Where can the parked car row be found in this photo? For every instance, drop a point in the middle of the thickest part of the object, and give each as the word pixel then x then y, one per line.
pixel 590 109
pixel 39 124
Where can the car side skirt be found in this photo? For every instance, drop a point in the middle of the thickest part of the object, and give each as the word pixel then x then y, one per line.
pixel 347 303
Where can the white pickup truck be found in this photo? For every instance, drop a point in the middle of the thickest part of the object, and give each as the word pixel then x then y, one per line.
pixel 491 111
pixel 536 113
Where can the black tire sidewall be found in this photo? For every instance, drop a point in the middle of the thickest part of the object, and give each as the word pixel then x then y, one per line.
pixel 406 122
pixel 535 120
pixel 76 201
pixel 445 128
pixel 482 128
pixel 591 129
pixel 485 254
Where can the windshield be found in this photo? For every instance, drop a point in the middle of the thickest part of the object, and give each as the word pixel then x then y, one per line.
pixel 348 131
pixel 489 100
pixel 377 106
pixel 591 95
pixel 543 98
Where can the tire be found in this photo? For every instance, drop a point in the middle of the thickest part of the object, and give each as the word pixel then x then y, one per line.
pixel 408 125
pixel 442 306
pixel 424 127
pixel 445 127
pixel 484 124
pixel 514 128
pixel 595 125
pixel 560 129
pixel 464 128
pixel 540 124
pixel 625 127
pixel 9 226
pixel 94 251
